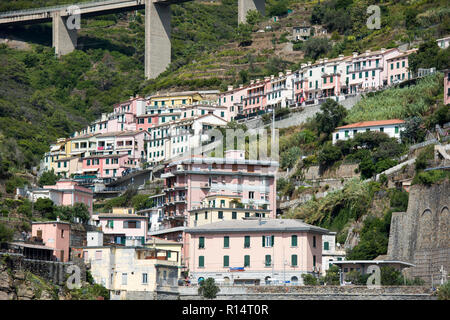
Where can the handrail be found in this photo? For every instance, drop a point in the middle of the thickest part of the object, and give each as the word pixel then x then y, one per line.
pixel 59 7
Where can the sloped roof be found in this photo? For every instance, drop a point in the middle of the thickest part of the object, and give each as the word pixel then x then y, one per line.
pixel 372 123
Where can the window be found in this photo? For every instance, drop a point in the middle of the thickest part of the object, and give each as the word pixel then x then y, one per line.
pixel 346 133
pixel 206 215
pixel 98 255
pixel 247 242
pixel 294 240
pixel 196 216
pixel 337 136
pixel 381 129
pixel 144 278
pixel 314 241
pixel 396 129
pixel 226 261
pixel 247 214
pixel 268 241
pixel 268 260
pixel 124 279
pixel 314 261
pixel 201 242
pixel 220 214
pixel 294 260
pixel 246 261
pixel 326 246
pixel 251 194
pixel 234 215
pixel 110 224
pixel 226 242
pixel 201 261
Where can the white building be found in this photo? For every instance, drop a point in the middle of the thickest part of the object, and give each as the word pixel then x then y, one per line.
pixel 443 43
pixel 391 127
pixel 331 251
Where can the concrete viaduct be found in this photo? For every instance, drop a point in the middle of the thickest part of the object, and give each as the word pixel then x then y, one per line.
pixel 157 24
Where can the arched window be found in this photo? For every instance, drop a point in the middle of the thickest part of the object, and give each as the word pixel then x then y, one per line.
pixel 294 280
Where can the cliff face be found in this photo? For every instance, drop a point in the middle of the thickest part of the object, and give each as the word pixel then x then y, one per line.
pixel 421 235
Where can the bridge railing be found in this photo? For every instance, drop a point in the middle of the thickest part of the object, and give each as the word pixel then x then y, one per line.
pixel 56 8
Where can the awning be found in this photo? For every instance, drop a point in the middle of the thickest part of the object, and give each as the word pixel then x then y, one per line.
pixel 90 170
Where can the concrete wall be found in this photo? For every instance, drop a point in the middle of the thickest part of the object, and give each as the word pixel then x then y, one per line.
pixel 421 235
pixel 344 171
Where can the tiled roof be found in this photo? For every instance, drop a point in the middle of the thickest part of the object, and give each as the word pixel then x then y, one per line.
pixel 372 123
pixel 257 225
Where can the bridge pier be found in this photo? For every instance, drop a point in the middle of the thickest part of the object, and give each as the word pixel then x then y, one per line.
pixel 157 38
pixel 246 5
pixel 64 37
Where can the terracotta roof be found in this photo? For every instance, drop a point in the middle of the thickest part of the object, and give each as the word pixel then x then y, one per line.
pixel 372 123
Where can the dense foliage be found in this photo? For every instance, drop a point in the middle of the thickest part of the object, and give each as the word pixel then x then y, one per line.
pixel 208 288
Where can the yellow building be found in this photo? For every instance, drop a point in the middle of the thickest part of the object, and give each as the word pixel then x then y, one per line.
pixel 66 166
pixel 173 248
pixel 57 151
pixel 175 98
pixel 130 273
pixel 118 210
pixel 216 208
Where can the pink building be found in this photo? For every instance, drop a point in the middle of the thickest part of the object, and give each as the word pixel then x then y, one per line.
pixel 106 166
pixel 188 182
pixel 127 229
pixel 255 251
pixel 54 234
pixel 398 68
pixel 447 86
pixel 66 193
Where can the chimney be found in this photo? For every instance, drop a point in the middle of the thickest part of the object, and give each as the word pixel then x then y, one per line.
pixel 341 56
pixel 272 77
pixel 325 60
pixel 257 80
pixel 383 50
pixel 252 81
pixel 230 88
pixel 355 54
pixel 241 86
pixel 266 78
pixel 303 65
pixel 131 97
pixel 309 63
pixel 288 72
pixel 280 74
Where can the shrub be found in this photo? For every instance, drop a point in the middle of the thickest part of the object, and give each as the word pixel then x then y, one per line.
pixel 48 178
pixel 6 233
pixel 332 276
pixel 309 280
pixel 430 177
pixel 423 157
pixel 208 288
pixel 328 155
pixel 444 291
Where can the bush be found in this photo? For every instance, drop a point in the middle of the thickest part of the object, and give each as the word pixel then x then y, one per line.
pixel 309 280
pixel 391 277
pixel 444 291
pixel 6 233
pixel 328 155
pixel 48 178
pixel 44 206
pixel 430 177
pixel 332 276
pixel 208 288
pixel 423 157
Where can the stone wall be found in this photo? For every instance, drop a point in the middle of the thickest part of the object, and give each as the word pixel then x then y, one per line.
pixel 306 293
pixel 49 270
pixel 343 171
pixel 421 235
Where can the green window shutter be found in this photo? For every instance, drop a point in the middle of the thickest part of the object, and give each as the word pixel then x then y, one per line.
pixel 294 241
pixel 201 261
pixel 263 241
pixel 273 240
pixel 220 214
pixel 247 242
pixel 326 246
pixel 234 215
pixel 226 242
pixel 396 129
pixel 201 243
pixel 294 260
pixel 268 260
pixel 246 261
pixel 226 261
pixel 314 261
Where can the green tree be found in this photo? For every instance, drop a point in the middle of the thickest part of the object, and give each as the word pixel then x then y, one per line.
pixel 208 289
pixel 332 276
pixel 44 206
pixel 48 178
pixel 244 34
pixel 141 201
pixel 429 55
pixel 309 279
pixel 316 47
pixel 253 17
pixel 328 155
pixel 413 131
pixel 6 233
pixel 391 276
pixel 332 115
pixel 80 211
pixel 276 7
